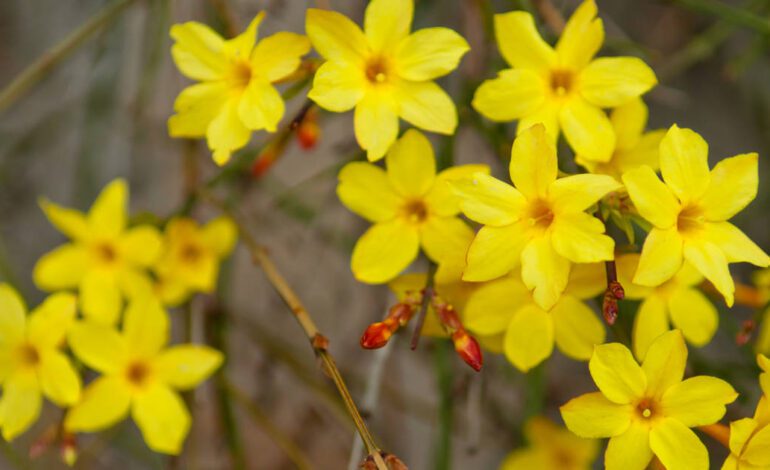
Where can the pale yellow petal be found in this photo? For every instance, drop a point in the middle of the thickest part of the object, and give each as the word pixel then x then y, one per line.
pixel 13 319
pixel 697 401
pixel 629 450
pixel 586 280
pixel 260 107
pixel 99 347
pixel 520 43
pixel 105 401
pixel 376 124
pixel 529 337
pixel 185 366
pixel 488 200
pixel 592 415
pixel 220 235
pixel 491 307
pixel 279 55
pixel 495 252
pixel 227 133
pixel 100 298
pixel 335 37
pixel 338 86
pixel 533 164
pixel 442 199
pixel 140 245
pixel 732 187
pixel 626 267
pixel 544 271
pixel 20 404
pixel 651 321
pixel 664 362
pixel 162 417
pixel 198 51
pixel 577 329
pixel 577 193
pixel 617 374
pixel 427 106
pixel 445 238
pixel 514 94
pixel 684 163
pixel 587 129
pixel 196 106
pixel 385 250
pixel 740 432
pixel 387 22
pixel 49 323
pixel 68 221
pixel 429 53
pixel 145 327
pixel 710 261
pixel 62 268
pixel 411 165
pixel 366 190
pixel 694 314
pixel 646 152
pixel 107 217
pixel 653 200
pixel 59 381
pixel 662 257
pixel 629 121
pixel 758 450
pixel 582 37
pixel 735 245
pixel 579 237
pixel 608 82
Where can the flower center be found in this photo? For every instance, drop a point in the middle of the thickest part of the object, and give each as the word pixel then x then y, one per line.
pixel 191 253
pixel 377 70
pixel 241 74
pixel 561 81
pixel 137 373
pixel 690 219
pixel 416 211
pixel 540 214
pixel 646 408
pixel 28 355
pixel 106 253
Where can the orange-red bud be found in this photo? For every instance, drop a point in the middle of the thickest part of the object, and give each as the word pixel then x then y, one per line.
pixel 69 449
pixel 616 288
pixel 376 336
pixel 263 163
pixel 308 131
pixel 745 333
pixel 610 308
pixel 468 349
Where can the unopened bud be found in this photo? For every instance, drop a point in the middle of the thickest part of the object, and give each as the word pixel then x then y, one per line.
pixel 69 449
pixel 308 131
pixel 745 333
pixel 391 462
pixel 263 163
pixel 468 349
pixel 376 336
pixel 616 288
pixel 610 308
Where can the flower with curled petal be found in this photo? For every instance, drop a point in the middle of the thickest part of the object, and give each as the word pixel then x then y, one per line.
pixel 689 212
pixel 384 72
pixel 649 409
pixel 565 87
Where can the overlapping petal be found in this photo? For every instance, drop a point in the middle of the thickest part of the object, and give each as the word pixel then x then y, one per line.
pixel 514 94
pixel 429 53
pixel 385 250
pixel 617 374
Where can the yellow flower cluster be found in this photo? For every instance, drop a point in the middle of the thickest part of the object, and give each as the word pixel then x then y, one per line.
pixel 120 276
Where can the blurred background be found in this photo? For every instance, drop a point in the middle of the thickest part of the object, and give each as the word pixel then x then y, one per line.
pixel 101 113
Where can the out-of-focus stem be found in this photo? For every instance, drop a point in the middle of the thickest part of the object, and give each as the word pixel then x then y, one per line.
pixel 45 63
pixel 550 15
pixel 730 14
pixel 718 432
pixel 443 454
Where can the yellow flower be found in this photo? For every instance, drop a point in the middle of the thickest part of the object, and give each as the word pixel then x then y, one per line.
pixel 138 375
pixel 506 307
pixel 105 260
pixel 551 448
pixel 689 212
pixel 33 364
pixel 677 301
pixel 649 409
pixel 236 94
pixel 750 441
pixel 564 88
pixel 540 223
pixel 384 71
pixel 191 257
pixel 764 377
pixel 633 146
pixel 409 205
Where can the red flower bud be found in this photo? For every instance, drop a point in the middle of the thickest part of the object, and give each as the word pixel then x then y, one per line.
pixel 610 308
pixel 468 349
pixel 376 336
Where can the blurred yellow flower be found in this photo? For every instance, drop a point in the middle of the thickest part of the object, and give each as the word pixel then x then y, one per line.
pixel 551 447
pixel 540 222
pixel 676 301
pixel 191 257
pixel 384 71
pixel 505 307
pixel 750 441
pixel 689 212
pixel 410 205
pixel 105 260
pixel 33 364
pixel 633 146
pixel 649 409
pixel 138 375
pixel 564 88
pixel 236 94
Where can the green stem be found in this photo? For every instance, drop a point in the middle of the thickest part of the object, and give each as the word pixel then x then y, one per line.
pixel 45 63
pixel 443 360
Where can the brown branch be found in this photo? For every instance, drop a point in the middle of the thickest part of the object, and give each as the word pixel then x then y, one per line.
pixel 550 15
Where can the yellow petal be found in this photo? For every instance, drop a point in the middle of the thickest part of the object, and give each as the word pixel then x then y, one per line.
pixel 145 327
pixel 664 362
pixel 443 238
pixel 576 328
pixel 62 268
pixel 514 94
pixel 614 81
pixel 240 47
pixel 335 37
pixel 529 337
pixel 582 37
pixel 548 116
pixel 68 221
pixel 523 459
pixel 586 280
pixel 100 298
pixel 629 121
pixel 429 53
pixel 50 322
pixel 260 107
pixel 661 257
pixel 20 404
pixel 196 106
pixel 533 164
pixel 338 86
pixel 411 164
pixel 365 189
pixel 593 416
pixel 427 106
pixel 105 401
pixel 185 366
pixel 13 319
pixel 385 250
pixel 626 267
pixel 587 129
pixel 520 43
pixel 740 432
pixel 710 261
pixel 698 401
pixel 227 133
pixel 580 238
pixel 629 450
pixel 162 417
pixel 651 321
pixel 220 235
pixel 758 449
pixel 198 51
pixel 677 447
pixel 617 374
pixel 376 125
pixel 99 347
pixel 577 193
pixel 489 201
pixel 694 314
pixel 107 216
pixel 653 200
pixel 387 22
pixel 490 307
pixel 442 199
pixel 684 163
pixel 735 245
pixel 279 55
pixel 495 252
pixel 58 379
pixel 733 186
pixel 141 245
pixel 544 271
